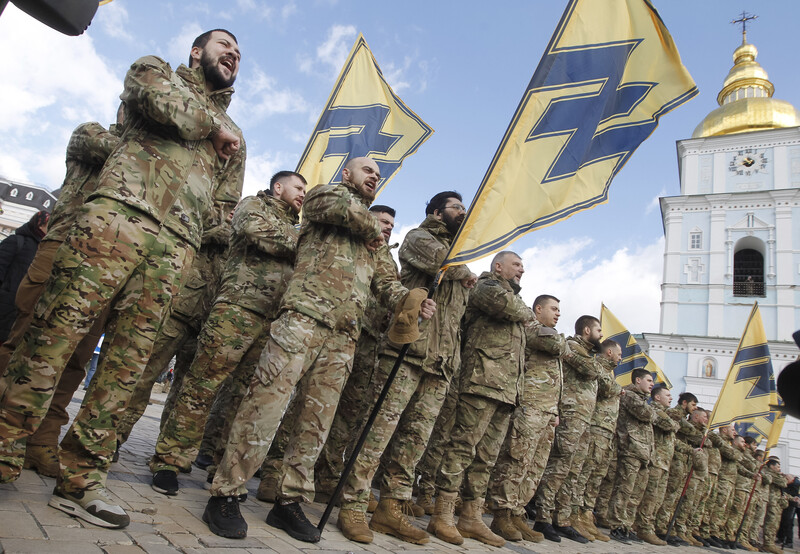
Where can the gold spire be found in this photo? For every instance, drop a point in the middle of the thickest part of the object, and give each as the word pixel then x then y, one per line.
pixel 746 102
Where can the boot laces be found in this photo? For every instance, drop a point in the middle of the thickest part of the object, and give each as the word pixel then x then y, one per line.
pixel 230 509
pixel 398 512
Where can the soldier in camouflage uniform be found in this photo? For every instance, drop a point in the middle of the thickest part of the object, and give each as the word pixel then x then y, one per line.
pixel 663 449
pixel 88 148
pixel 701 520
pixel 136 233
pixel 190 309
pixel 598 440
pixel 747 471
pixel 635 447
pixel 354 405
pixel 527 443
pixel 257 269
pixel 336 267
pixel 492 371
pixel 693 435
pixel 578 398
pixel 757 511
pixel 413 402
pixel 726 481
pixel 777 501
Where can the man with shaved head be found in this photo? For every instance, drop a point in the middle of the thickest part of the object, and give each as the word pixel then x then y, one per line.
pixel 337 265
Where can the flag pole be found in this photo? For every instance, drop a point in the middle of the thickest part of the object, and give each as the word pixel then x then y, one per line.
pixel 348 468
pixel 682 498
pixel 749 498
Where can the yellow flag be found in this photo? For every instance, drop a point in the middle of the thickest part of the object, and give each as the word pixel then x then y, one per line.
pixel 363 117
pixel 632 354
pixel 749 387
pixel 610 71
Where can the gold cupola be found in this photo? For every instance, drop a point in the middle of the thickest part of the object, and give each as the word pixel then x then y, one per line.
pixel 745 101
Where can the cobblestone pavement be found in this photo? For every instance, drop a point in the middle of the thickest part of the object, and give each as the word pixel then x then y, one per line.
pixel 162 525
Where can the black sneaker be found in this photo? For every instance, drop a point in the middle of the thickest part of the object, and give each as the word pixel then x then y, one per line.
pixel 634 538
pixel 290 518
pixel 714 541
pixel 203 460
pixel 701 540
pixel 570 533
pixel 547 530
pixel 223 517
pixel 675 541
pixel 619 534
pixel 165 482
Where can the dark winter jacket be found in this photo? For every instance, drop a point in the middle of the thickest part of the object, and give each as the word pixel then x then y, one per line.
pixel 16 254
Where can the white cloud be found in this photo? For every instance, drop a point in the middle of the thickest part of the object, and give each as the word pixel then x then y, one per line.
pixel 396 75
pixel 179 45
pixel 332 53
pixel 113 20
pixel 259 168
pixel 260 98
pixel 655 203
pixel 288 10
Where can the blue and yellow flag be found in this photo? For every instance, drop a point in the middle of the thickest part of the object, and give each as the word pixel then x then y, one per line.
pixel 608 74
pixel 632 354
pixel 749 387
pixel 363 117
pixel 767 427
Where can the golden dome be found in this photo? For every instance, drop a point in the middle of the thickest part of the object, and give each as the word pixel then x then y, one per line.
pixel 745 101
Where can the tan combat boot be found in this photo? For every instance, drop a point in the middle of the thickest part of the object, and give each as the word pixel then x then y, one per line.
pixel 412 509
pixel 470 524
pixel 578 524
pixel 651 538
pixel 267 489
pixel 442 525
pixel 503 526
pixel 747 546
pixel 372 504
pixel 353 525
pixel 690 539
pixel 528 534
pixel 771 548
pixel 42 459
pixel 425 501
pixel 586 517
pixel 390 519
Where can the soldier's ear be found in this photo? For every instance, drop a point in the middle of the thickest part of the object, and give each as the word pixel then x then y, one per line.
pixel 195 54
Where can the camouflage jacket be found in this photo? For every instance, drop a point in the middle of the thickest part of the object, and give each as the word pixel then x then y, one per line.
pixel 699 457
pixel 714 454
pixel 164 164
pixel 377 316
pixel 260 259
pixel 746 470
pixel 729 456
pixel 334 272
pixel 762 488
pixel 493 360
pixel 777 483
pixel 581 370
pixel 544 373
pixel 87 151
pixel 606 408
pixel 664 430
pixel 199 287
pixel 438 349
pixel 635 425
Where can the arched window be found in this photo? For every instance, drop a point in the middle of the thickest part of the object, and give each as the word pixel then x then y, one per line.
pixel 748 273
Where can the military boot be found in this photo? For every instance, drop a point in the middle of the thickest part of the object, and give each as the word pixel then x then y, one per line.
pixel 267 489
pixel 586 517
pixel 372 503
pixel 353 525
pixel 528 534
pixel 42 459
pixel 747 546
pixel 580 526
pixel 390 520
pixel 688 538
pixel 771 548
pixel 470 524
pixel 442 525
pixel 651 538
pixel 425 501
pixel 503 526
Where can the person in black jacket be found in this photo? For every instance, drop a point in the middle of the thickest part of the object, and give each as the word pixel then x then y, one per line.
pixel 16 254
pixel 787 520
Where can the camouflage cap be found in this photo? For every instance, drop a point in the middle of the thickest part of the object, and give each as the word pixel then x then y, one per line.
pixel 405 327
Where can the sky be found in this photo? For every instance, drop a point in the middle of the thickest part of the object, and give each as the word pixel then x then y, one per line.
pixel 461 66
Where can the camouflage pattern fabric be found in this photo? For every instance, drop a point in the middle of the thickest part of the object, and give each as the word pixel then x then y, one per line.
pixel 746 471
pixel 777 501
pixel 651 500
pixel 726 479
pixel 756 513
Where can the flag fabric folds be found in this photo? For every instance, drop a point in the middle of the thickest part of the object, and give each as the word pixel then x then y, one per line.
pixel 767 427
pixel 610 71
pixel 749 387
pixel 363 117
pixel 632 354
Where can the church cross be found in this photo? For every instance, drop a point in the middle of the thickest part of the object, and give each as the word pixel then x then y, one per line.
pixel 693 269
pixel 745 17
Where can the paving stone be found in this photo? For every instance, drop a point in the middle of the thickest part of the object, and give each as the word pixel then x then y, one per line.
pixel 90 534
pixel 23 546
pixel 21 525
pixel 123 549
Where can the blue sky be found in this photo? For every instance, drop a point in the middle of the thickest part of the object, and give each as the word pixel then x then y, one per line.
pixel 461 66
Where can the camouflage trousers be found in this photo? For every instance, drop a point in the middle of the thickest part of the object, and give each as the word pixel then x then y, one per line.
pixel 595 468
pixel 174 332
pixel 575 483
pixel 522 459
pixel 478 431
pixel 651 501
pixel 428 467
pixel 676 479
pixel 183 363
pixel 565 445
pixel 30 289
pixel 607 485
pixel 719 510
pixel 230 335
pixel 735 514
pixel 630 484
pixel 363 385
pixel 705 497
pixel 114 252
pixel 755 516
pixel 408 412
pixel 298 345
pixel 694 492
pixel 772 521
pixel 273 463
pixel 705 525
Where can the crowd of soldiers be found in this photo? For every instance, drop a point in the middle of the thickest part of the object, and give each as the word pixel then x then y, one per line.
pixel 285 334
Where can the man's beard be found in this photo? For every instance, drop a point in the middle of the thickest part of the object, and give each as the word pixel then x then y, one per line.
pixel 595 341
pixel 452 223
pixel 213 74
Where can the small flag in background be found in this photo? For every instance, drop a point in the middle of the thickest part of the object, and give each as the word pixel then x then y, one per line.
pixel 363 117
